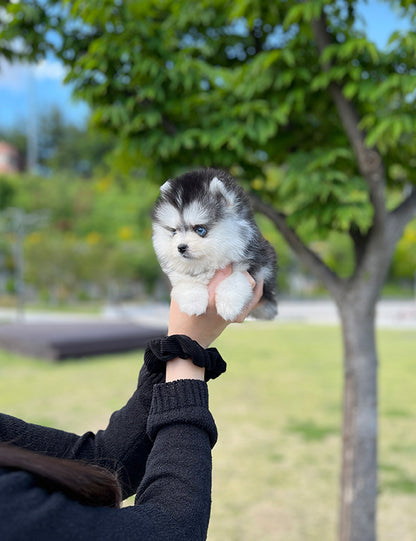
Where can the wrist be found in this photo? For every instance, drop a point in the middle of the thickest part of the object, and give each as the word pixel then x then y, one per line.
pixel 203 341
pixel 161 351
pixel 179 368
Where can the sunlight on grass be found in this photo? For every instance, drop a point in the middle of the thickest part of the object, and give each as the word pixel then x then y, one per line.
pixel 278 411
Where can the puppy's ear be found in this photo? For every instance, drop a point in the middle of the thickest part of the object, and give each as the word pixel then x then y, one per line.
pixel 216 186
pixel 165 187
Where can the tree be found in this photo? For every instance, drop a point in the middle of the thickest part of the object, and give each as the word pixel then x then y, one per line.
pixel 96 240
pixel 7 191
pixel 65 146
pixel 297 102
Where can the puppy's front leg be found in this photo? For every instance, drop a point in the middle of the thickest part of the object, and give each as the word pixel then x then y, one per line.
pixel 192 297
pixel 232 294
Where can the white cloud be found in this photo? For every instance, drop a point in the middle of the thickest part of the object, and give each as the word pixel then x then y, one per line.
pixel 17 76
pixel 49 69
pixel 13 76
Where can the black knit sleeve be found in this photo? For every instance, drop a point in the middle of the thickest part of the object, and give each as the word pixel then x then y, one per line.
pixel 173 500
pixel 178 472
pixel 122 447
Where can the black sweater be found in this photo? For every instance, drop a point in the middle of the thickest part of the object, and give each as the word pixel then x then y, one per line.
pixel 159 442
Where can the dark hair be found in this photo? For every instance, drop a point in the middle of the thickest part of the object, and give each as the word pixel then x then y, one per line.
pixel 87 483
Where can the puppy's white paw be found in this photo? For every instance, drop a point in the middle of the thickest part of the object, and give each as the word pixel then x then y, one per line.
pixel 232 295
pixel 192 299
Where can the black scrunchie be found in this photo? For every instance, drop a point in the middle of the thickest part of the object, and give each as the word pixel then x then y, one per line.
pixel 161 350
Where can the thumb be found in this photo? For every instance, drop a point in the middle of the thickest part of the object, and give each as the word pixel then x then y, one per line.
pixel 218 277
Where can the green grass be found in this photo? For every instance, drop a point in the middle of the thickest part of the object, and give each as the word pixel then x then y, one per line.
pixel 278 411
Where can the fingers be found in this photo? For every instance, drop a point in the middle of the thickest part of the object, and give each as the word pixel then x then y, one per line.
pixel 250 280
pixel 257 288
pixel 257 295
pixel 219 276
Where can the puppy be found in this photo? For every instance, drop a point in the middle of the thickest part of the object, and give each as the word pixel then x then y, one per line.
pixel 202 222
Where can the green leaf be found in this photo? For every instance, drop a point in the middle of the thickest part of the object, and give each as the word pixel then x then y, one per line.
pixel 294 15
pixel 350 90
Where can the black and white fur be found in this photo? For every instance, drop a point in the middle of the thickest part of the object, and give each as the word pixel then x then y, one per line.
pixel 202 222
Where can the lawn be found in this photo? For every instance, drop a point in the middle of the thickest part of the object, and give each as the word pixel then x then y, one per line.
pixel 278 411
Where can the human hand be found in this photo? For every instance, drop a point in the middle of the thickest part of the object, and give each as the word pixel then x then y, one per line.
pixel 206 327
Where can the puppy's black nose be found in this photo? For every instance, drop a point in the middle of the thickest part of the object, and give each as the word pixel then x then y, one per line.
pixel 182 248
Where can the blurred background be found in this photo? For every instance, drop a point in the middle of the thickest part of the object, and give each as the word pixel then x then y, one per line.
pixel 83 232
pixel 100 103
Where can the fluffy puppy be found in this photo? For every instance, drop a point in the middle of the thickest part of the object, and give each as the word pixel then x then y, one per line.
pixel 202 222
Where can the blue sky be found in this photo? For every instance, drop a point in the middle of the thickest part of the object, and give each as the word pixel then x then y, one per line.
pixel 23 86
pixel 40 86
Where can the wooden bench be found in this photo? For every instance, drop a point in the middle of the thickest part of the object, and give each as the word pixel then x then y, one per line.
pixel 64 340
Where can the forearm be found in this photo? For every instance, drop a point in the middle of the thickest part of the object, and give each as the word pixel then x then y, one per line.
pixel 178 471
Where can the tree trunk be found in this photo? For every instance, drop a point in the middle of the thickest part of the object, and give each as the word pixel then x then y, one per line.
pixel 358 497
pixel 356 300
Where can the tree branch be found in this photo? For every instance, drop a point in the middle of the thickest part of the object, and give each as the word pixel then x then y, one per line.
pixel 359 242
pixel 305 254
pixel 369 161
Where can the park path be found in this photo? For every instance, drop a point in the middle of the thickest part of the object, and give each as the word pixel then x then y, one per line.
pixel 390 313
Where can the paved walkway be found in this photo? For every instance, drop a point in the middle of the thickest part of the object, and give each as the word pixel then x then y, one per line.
pixel 390 313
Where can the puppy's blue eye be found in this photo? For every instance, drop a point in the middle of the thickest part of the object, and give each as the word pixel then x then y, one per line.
pixel 200 230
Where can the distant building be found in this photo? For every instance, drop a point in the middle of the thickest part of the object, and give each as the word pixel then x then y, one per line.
pixel 10 160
